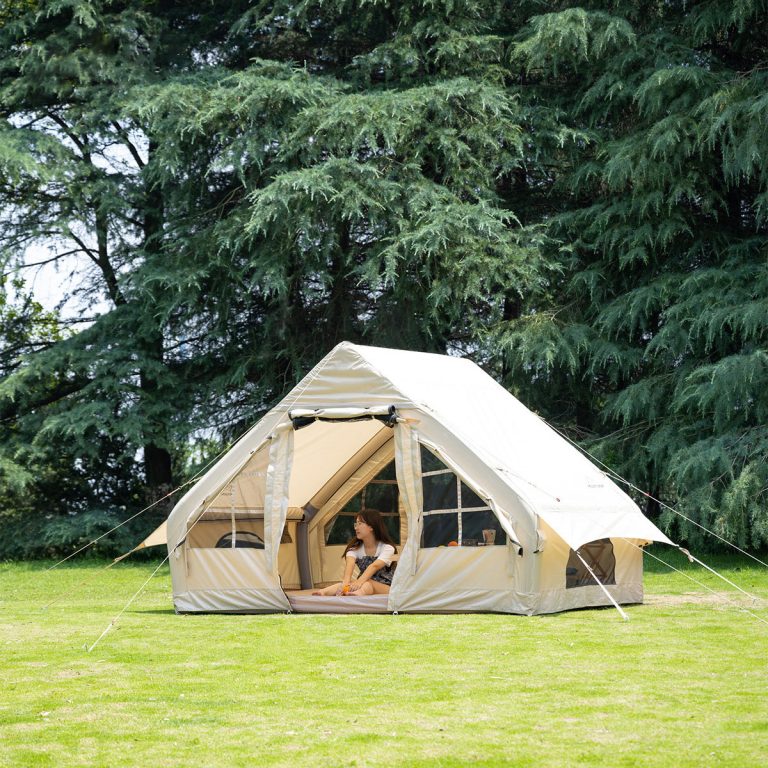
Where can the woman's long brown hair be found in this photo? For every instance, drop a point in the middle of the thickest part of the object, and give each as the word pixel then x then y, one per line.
pixel 373 518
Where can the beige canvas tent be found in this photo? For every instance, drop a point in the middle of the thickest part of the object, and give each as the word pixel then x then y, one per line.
pixel 491 509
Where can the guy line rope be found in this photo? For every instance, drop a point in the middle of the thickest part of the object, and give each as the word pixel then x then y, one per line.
pixel 616 476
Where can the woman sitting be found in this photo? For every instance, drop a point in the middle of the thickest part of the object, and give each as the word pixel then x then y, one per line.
pixel 371 550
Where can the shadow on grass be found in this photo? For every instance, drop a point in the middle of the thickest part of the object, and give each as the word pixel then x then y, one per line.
pixel 158 611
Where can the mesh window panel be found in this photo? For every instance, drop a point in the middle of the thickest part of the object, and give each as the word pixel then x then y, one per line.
pixel 388 473
pixel 340 529
pixel 354 505
pixel 440 492
pixel 440 530
pixel 430 462
pixel 392 524
pixel 382 497
pixel 600 558
pixel 243 539
pixel 469 498
pixel 474 523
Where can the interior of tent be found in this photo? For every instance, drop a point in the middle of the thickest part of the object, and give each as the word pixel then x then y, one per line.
pixel 340 468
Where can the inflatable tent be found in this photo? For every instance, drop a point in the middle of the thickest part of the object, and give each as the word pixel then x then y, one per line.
pixel 491 509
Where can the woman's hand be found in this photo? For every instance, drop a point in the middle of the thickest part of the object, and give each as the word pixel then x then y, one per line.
pixel 343 589
pixel 356 584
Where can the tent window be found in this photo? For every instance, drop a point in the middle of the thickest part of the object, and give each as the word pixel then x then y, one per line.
pixel 380 494
pixel 243 539
pixel 440 528
pixel 440 491
pixel 248 539
pixel 454 515
pixel 600 558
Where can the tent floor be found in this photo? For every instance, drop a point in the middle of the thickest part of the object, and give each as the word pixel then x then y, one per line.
pixel 303 601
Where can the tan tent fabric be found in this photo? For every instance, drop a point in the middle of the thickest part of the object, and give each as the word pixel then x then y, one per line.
pixel 157 537
pixel 408 467
pixel 547 498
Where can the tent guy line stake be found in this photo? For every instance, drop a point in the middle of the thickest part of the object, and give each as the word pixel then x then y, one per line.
pixel 127 605
pixel 701 584
pixel 618 477
pixel 602 586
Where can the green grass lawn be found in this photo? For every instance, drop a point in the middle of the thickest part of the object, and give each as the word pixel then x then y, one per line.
pixel 683 683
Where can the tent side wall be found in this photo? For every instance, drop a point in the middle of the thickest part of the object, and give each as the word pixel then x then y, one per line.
pixel 224 580
pixel 464 578
pixel 552 594
pixel 208 576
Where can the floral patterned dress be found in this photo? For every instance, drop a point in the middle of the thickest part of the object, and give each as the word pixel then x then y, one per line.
pixel 383 575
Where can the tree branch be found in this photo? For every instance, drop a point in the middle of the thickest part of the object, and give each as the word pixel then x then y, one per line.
pixel 68 132
pixel 128 143
pixel 88 251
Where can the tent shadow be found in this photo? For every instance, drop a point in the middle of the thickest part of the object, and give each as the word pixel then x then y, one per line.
pixel 160 611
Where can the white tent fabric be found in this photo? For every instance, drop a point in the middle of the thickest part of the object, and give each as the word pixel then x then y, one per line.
pixel 283 481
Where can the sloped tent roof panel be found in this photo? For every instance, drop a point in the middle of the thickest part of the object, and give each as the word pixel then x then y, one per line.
pixel 543 469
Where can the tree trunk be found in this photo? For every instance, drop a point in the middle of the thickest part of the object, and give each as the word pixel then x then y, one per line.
pixel 157 466
pixel 157 460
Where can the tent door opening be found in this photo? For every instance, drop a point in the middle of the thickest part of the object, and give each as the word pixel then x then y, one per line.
pixel 336 455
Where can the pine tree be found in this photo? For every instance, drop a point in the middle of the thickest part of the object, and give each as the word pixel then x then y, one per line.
pixel 653 338
pixel 576 200
pixel 249 186
pixel 358 195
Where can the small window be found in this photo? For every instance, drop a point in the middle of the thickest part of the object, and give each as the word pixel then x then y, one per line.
pixel 243 539
pixel 440 492
pixel 600 558
pixel 440 530
pixel 340 529
pixel 381 494
pixel 248 539
pixel 454 514
pixel 474 524
pixel 383 498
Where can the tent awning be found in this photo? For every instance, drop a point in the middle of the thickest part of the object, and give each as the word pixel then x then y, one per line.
pixel 157 538
pixel 579 527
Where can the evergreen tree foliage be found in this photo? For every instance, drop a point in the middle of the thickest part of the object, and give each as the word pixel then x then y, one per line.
pixel 574 195
pixel 653 342
pixel 75 413
pixel 250 189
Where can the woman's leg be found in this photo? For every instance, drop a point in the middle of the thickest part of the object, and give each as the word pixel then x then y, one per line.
pixel 372 588
pixel 328 591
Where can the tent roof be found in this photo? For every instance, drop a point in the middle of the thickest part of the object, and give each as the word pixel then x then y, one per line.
pixel 490 426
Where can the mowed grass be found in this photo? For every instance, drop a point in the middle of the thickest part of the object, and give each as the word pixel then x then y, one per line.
pixel 683 683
